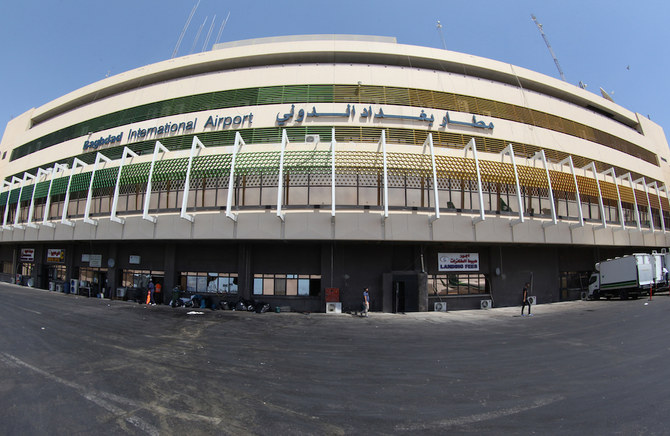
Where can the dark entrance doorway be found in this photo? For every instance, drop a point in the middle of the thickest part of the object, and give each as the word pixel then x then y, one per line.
pixel 405 293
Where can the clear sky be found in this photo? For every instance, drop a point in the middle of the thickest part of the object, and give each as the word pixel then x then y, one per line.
pixel 52 47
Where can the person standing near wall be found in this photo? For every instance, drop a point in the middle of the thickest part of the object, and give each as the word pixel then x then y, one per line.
pixel 524 299
pixel 158 293
pixel 150 293
pixel 366 301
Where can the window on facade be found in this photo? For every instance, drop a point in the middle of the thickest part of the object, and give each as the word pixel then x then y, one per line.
pixel 7 267
pixel 572 284
pixel 209 282
pixel 458 284
pixel 90 275
pixel 58 272
pixel 139 278
pixel 26 269
pixel 299 285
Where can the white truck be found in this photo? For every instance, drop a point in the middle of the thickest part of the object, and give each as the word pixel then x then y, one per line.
pixel 624 277
pixel 661 263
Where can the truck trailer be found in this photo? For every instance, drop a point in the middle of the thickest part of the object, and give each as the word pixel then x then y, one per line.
pixel 624 277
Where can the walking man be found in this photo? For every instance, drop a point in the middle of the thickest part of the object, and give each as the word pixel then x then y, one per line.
pixel 525 301
pixel 366 301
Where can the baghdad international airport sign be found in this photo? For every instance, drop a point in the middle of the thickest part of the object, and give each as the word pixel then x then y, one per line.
pixel 454 262
pixel 231 119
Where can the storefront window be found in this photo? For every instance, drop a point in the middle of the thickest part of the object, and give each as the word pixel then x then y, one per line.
pixel 458 284
pixel 26 269
pixel 57 272
pixel 139 278
pixel 301 285
pixel 209 282
pixel 91 275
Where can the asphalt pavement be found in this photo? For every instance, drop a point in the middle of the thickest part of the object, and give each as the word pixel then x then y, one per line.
pixel 73 365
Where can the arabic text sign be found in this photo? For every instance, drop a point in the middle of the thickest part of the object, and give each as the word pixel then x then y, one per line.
pixel 95 260
pixel 458 261
pixel 55 255
pixel 368 113
pixel 27 255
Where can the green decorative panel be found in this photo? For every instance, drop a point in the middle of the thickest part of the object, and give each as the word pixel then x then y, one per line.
pixel 211 166
pixel 13 195
pixel 27 192
pixel 59 186
pixel 105 178
pixel 135 173
pixel 173 169
pixel 41 189
pixel 80 182
pixel 270 95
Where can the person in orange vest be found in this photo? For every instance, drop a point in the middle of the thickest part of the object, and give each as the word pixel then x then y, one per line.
pixel 158 295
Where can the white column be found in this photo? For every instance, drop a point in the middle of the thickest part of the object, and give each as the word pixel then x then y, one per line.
pixel 75 164
pixel 592 167
pixel 47 204
pixel 280 181
pixel 429 142
pixel 472 146
pixel 618 195
pixel 239 142
pixel 646 192
pixel 147 197
pixel 10 186
pixel 332 173
pixel 31 210
pixel 382 144
pixel 195 150
pixel 660 205
pixel 509 150
pixel 26 176
pixel 568 160
pixel 540 155
pixel 112 215
pixel 632 187
pixel 98 158
pixel 667 195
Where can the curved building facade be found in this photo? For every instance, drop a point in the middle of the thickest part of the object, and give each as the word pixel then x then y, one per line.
pixel 280 169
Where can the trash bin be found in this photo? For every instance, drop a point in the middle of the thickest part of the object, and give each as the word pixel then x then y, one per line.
pixel 121 293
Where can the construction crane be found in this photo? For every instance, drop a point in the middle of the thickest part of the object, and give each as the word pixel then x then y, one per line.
pixel 546 41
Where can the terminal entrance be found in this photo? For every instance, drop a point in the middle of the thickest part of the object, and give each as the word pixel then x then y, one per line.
pixel 405 293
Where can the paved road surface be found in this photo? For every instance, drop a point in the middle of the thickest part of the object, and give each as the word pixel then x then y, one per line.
pixel 79 366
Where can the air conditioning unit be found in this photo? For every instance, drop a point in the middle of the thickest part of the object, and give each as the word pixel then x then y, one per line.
pixel 486 304
pixel 440 307
pixel 532 300
pixel 59 288
pixel 333 307
pixel 312 138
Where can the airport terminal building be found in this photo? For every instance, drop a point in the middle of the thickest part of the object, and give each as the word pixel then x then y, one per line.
pixel 279 169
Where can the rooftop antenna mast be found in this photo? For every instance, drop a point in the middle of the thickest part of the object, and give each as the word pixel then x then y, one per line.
pixel 209 34
pixel 546 41
pixel 183 31
pixel 197 35
pixel 223 26
pixel 439 30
